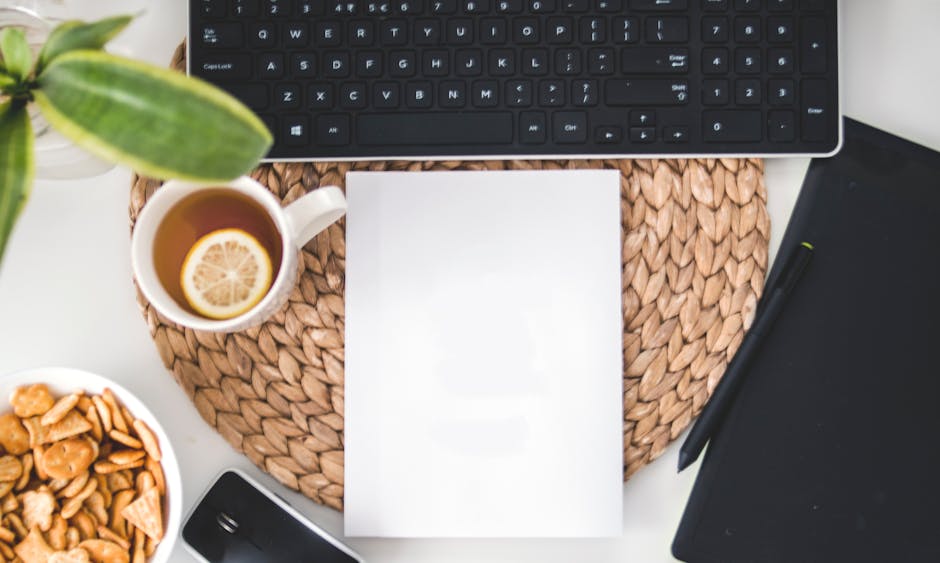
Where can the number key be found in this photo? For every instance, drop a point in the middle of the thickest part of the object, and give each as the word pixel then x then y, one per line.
pixel 781 92
pixel 714 30
pixel 747 92
pixel 715 92
pixel 715 61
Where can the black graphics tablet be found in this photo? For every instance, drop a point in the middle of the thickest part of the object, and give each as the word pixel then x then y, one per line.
pixel 830 451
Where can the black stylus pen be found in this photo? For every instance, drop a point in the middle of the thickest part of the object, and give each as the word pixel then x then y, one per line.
pixel 716 408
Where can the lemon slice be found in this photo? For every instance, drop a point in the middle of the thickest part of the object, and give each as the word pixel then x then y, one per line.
pixel 225 273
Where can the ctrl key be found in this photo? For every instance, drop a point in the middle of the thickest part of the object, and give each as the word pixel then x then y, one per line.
pixel 333 129
pixel 732 126
pixel 569 127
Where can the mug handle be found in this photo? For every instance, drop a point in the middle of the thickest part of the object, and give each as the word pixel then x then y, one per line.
pixel 314 212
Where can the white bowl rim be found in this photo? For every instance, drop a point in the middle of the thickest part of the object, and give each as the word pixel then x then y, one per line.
pixel 170 462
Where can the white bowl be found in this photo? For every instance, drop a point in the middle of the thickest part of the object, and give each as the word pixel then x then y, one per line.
pixel 62 381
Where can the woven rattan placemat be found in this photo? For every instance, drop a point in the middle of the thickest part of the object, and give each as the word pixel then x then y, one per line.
pixel 695 236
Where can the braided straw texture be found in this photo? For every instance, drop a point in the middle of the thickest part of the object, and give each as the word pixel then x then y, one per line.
pixel 695 235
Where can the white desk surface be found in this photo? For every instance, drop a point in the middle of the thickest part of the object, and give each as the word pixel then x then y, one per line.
pixel 66 296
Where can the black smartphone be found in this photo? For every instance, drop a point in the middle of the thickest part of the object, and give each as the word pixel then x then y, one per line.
pixel 239 521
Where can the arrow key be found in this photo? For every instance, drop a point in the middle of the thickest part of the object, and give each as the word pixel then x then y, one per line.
pixel 608 134
pixel 676 134
pixel 642 134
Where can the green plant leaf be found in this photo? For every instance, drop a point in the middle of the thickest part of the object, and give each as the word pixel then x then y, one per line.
pixel 72 35
pixel 16 53
pixel 16 166
pixel 159 122
pixel 6 81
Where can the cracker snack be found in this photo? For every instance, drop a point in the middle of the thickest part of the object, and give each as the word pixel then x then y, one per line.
pixel 80 480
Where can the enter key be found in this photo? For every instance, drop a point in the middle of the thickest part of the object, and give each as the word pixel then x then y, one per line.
pixel 815 110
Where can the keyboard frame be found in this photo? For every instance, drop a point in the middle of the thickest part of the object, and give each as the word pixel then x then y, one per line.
pixel 840 100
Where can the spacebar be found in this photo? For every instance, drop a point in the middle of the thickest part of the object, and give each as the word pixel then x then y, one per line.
pixel 427 128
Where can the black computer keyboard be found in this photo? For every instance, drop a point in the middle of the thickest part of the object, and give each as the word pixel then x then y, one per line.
pixel 527 78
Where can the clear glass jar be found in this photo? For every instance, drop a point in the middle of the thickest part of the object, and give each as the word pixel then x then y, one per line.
pixel 56 157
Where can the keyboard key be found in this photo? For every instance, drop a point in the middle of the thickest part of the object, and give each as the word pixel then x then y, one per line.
pixel 453 94
pixel 568 61
pixel 402 63
pixel 731 126
pixel 436 63
pixel 336 64
pixel 584 93
pixel 223 67
pixel 460 32
pixel 747 29
pixel 780 61
pixel 485 94
pixel 277 8
pixel 369 64
pixel 502 62
pixel 443 7
pixel 320 96
pixel 361 33
pixel 296 35
pixel 535 62
pixel 781 126
pixel 593 30
pixel 222 35
pixel 307 8
pixel 780 92
pixel 747 92
pixel 814 98
pixel 509 6
pixel 780 5
pixel 551 93
pixel 328 34
pixel 715 92
pixel 658 5
pixel 813 45
pixel 427 32
pixel 394 33
pixel 469 62
pixel 646 92
pixel 493 31
pixel 780 29
pixel 333 130
pixel 352 95
pixel 294 130
pixel 542 6
pixel 476 6
pixel 642 134
pixel 254 96
pixel 287 96
pixel 714 30
pixel 303 65
pixel 407 7
pixel 655 60
pixel 715 61
pixel 519 93
pixel 212 8
pixel 575 6
pixel 271 65
pixel 246 8
pixel 601 61
pixel 642 118
pixel 608 134
pixel 435 128
pixel 676 134
pixel 715 5
pixel 747 5
pixel 420 95
pixel 569 127
pixel 609 6
pixel 747 60
pixel 525 31
pixel 385 95
pixel 667 30
pixel 559 31
pixel 626 30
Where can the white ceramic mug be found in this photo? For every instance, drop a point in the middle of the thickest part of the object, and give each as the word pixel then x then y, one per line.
pixel 297 224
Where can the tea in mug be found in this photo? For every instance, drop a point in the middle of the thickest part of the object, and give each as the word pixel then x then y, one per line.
pixel 217 252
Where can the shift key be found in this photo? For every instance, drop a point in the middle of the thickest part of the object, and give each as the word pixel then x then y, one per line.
pixel 646 92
